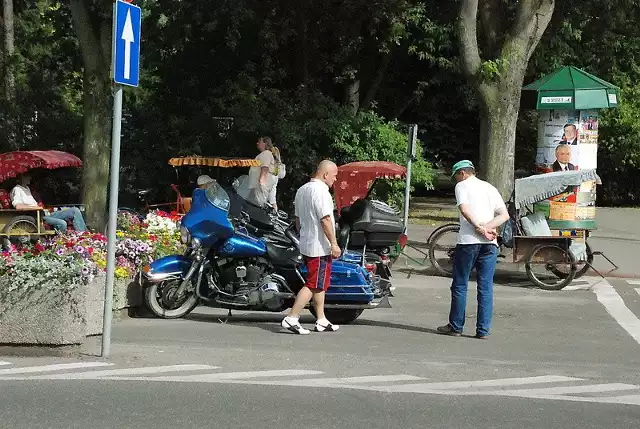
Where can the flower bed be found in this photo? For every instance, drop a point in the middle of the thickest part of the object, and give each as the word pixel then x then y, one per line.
pixel 61 271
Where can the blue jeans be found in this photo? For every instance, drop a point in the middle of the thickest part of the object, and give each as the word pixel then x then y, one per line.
pixel 58 219
pixel 483 258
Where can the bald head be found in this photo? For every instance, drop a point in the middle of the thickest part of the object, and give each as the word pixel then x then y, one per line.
pixel 327 172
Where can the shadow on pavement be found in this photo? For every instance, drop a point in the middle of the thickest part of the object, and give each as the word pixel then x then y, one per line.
pixel 502 277
pixel 271 323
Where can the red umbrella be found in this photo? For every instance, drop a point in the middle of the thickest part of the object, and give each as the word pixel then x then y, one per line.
pixel 13 164
pixel 355 179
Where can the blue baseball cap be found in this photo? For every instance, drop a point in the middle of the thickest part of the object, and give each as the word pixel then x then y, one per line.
pixel 465 163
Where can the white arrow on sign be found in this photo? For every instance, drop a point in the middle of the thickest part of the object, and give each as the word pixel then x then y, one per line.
pixel 127 36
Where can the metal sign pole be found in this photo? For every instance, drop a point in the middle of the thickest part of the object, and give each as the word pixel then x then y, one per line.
pixel 113 217
pixel 411 153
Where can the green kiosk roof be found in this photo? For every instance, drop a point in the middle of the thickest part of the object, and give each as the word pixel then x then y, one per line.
pixel 572 89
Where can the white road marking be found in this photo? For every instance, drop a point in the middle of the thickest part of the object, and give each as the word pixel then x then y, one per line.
pixel 57 367
pixel 222 376
pixel 4 363
pixel 563 390
pixel 495 387
pixel 456 385
pixel 614 304
pixel 347 382
pixel 627 399
pixel 123 372
pixel 633 282
pixel 638 290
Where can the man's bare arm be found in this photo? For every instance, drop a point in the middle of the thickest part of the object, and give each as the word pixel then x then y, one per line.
pixel 465 210
pixel 329 230
pixel 501 217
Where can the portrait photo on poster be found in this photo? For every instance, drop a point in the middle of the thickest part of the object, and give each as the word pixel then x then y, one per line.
pixel 564 157
pixel 570 134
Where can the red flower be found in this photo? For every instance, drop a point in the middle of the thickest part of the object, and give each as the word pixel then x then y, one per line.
pixel 153 238
pixel 90 250
pixel 39 247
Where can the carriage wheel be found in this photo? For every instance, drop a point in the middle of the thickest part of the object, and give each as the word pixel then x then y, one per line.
pixel 441 248
pixel 20 230
pixel 581 266
pixel 541 265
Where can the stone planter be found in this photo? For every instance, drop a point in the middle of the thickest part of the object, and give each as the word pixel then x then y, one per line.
pixel 56 317
pixel 43 317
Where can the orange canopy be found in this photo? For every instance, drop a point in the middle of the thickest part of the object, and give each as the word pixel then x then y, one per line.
pixel 214 162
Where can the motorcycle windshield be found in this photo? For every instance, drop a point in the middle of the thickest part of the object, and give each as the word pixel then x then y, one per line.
pixel 217 196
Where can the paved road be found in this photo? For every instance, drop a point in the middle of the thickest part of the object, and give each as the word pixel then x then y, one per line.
pixel 556 359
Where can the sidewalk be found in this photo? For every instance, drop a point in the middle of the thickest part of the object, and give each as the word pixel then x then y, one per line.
pixel 617 236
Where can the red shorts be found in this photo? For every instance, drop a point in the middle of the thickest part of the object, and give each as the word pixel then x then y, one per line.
pixel 319 272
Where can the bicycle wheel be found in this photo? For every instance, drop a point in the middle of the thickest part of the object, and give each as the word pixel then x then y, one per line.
pixel 581 266
pixel 541 265
pixel 441 248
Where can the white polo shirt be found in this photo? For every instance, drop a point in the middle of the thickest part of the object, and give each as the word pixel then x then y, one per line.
pixel 313 202
pixel 484 200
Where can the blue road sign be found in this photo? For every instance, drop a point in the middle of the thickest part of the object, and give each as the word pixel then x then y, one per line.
pixel 127 20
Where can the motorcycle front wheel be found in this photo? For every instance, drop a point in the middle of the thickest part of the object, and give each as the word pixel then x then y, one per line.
pixel 162 300
pixel 339 316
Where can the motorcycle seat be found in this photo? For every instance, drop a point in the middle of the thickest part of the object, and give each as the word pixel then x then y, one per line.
pixel 283 256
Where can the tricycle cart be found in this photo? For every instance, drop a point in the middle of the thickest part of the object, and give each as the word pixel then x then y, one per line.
pixel 23 226
pixel 551 262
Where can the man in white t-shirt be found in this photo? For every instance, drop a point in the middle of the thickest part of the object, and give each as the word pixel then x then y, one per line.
pixel 260 180
pixel 318 245
pixel 482 211
pixel 22 199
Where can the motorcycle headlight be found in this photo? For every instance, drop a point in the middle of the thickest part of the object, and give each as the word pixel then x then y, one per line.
pixel 185 235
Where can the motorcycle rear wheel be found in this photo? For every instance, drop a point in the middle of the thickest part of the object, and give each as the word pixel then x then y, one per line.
pixel 158 299
pixel 339 316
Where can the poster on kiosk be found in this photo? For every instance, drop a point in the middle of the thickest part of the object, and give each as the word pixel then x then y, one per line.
pixel 568 140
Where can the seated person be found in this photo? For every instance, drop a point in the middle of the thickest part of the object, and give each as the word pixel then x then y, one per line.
pixel 22 199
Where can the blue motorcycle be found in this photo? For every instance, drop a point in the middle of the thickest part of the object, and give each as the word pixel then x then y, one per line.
pixel 225 266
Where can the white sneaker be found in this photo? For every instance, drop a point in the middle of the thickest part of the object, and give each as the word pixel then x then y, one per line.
pixel 326 327
pixel 294 326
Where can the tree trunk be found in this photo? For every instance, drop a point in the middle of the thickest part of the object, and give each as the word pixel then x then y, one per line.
pixel 93 30
pixel 499 112
pixel 352 96
pixel 9 49
pixel 371 93
pixel 97 147
pixel 499 92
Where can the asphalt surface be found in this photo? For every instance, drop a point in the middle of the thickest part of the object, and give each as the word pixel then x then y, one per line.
pixel 564 359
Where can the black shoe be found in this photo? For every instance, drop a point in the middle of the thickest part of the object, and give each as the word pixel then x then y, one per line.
pixel 448 330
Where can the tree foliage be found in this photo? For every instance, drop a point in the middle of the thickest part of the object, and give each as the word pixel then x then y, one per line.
pixel 339 80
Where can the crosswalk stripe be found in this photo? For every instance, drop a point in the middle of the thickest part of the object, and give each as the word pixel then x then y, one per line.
pixel 633 282
pixel 122 372
pixel 638 290
pixel 625 399
pixel 563 390
pixel 455 385
pixel 4 363
pixel 335 382
pixel 57 367
pixel 223 376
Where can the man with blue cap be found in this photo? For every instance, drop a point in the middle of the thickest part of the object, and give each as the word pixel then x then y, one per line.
pixel 482 211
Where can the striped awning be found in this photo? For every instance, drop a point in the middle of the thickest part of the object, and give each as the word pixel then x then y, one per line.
pixel 214 162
